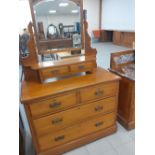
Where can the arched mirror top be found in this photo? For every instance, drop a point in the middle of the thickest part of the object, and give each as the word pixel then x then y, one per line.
pixel 58 24
pixel 78 2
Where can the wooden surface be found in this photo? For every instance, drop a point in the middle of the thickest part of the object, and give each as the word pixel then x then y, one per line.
pixel 53 105
pixel 126 102
pixel 34 90
pixel 106 36
pixel 63 119
pixel 31 59
pixel 124 38
pixel 118 67
pixel 56 122
pixel 65 70
pixel 77 131
pixel 118 37
pixel 59 50
pixel 55 43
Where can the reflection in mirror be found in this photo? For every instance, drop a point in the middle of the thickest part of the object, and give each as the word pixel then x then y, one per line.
pixel 58 24
pixel 52 32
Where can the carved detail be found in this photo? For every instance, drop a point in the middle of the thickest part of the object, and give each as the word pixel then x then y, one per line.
pixel 88 49
pixel 31 59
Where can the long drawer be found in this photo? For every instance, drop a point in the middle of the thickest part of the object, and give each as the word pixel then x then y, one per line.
pixel 77 131
pixel 53 104
pixel 98 91
pixel 62 119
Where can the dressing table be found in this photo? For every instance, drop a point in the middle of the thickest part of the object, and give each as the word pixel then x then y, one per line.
pixel 68 102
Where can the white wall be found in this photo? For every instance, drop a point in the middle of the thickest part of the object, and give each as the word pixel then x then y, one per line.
pixel 92 7
pixel 24 14
pixel 118 14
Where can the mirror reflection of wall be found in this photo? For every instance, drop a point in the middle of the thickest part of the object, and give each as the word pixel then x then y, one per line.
pixel 64 15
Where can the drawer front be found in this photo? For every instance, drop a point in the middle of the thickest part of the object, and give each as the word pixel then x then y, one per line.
pixel 53 72
pixel 99 91
pixel 77 131
pixel 87 66
pixel 53 104
pixel 63 119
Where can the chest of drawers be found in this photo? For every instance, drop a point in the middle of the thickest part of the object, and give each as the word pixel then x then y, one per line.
pixel 72 112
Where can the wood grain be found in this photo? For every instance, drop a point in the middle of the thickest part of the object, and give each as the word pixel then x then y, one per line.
pixel 33 90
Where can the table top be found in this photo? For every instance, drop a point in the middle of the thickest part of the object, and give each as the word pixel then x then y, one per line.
pixel 35 90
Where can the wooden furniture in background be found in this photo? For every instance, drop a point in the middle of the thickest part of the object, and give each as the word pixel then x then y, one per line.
pixel 124 38
pixel 126 103
pixel 41 33
pixel 55 43
pixel 106 36
pixel 71 112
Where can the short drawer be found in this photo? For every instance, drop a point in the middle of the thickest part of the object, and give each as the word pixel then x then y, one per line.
pixel 87 66
pixel 72 116
pixel 77 131
pixel 53 104
pixel 98 91
pixel 54 72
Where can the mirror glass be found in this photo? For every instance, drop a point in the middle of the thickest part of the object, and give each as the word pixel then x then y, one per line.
pixel 58 25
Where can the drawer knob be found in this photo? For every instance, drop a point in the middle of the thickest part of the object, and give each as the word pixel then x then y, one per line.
pixel 55 104
pixel 98 108
pixel 55 71
pixel 99 124
pixel 59 138
pixel 57 120
pixel 99 92
pixel 81 67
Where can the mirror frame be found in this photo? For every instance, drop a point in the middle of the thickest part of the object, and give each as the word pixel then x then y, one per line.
pixel 78 2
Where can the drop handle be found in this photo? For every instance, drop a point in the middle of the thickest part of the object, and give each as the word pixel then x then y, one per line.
pixel 99 92
pixel 59 138
pixel 57 121
pixel 98 108
pixel 55 104
pixel 99 124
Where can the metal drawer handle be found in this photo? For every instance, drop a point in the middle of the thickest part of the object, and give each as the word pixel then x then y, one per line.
pixel 98 108
pixel 81 67
pixel 99 92
pixel 59 138
pixel 55 104
pixel 57 120
pixel 99 124
pixel 55 71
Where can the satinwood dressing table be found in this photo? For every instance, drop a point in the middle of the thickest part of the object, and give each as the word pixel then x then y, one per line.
pixel 78 106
